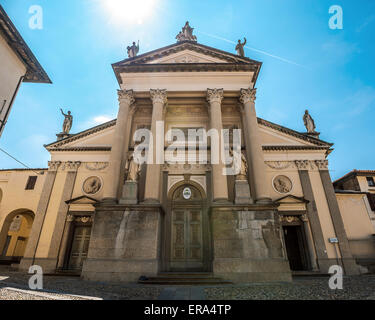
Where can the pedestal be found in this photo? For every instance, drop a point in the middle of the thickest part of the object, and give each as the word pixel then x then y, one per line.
pixel 129 193
pixel 242 192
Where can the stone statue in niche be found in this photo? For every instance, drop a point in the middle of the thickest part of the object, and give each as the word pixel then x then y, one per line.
pixel 68 122
pixel 309 122
pixel 133 169
pixel 282 184
pixel 92 185
pixel 240 48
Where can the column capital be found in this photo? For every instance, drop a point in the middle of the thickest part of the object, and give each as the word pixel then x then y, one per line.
pixel 302 164
pixel 54 165
pixel 71 166
pixel 159 96
pixel 215 95
pixel 322 164
pixel 126 96
pixel 248 95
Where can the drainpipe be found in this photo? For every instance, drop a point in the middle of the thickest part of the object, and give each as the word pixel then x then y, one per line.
pixel 2 123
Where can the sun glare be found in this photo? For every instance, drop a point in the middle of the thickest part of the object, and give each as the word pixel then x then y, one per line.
pixel 130 11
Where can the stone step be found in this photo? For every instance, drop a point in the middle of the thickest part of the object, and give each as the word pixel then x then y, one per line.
pixel 184 278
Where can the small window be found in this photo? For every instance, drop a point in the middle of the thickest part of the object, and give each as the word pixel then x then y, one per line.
pixel 31 183
pixel 370 181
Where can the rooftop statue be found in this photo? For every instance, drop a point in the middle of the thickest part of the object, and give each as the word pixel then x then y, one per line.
pixel 186 34
pixel 133 50
pixel 68 122
pixel 309 122
pixel 239 48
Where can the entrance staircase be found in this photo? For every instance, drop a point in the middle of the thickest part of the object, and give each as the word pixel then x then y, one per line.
pixel 183 278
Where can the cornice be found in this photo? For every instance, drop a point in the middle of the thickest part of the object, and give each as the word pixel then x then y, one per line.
pixel 296 134
pixel 34 71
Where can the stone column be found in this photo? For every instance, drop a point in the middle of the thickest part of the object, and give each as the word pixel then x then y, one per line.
pixel 312 213
pixel 310 242
pixel 219 181
pixel 254 146
pixel 152 190
pixel 67 192
pixel 40 214
pixel 111 187
pixel 348 261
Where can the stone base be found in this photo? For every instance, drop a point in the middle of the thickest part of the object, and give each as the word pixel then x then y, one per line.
pixel 127 271
pixel 124 244
pixel 48 265
pixel 247 244
pixel 62 135
pixel 242 192
pixel 129 193
pixel 250 270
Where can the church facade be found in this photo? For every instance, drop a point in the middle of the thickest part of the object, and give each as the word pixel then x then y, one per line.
pixel 97 211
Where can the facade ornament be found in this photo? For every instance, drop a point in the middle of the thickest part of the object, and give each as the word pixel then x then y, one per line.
pixel 68 122
pixel 96 166
pixel 133 50
pixel 309 122
pixel 186 34
pixel 290 219
pixel 322 164
pixel 159 96
pixel 215 95
pixel 132 169
pixel 282 184
pixel 70 218
pixel 279 165
pixel 240 48
pixel 248 95
pixel 92 185
pixel 302 164
pixel 126 96
pixel 71 165
pixel 54 165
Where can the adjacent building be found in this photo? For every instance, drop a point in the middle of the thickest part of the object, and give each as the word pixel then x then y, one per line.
pixel 17 64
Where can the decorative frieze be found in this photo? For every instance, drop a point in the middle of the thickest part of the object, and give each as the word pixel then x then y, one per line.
pixel 126 96
pixel 158 96
pixel 248 95
pixel 79 219
pixel 96 166
pixel 215 95
pixel 279 165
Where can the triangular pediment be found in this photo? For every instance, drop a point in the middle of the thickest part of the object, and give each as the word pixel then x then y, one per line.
pixel 291 199
pixel 188 56
pixel 186 52
pixel 82 200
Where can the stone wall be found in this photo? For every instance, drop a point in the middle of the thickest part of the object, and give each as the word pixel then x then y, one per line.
pixel 247 245
pixel 124 244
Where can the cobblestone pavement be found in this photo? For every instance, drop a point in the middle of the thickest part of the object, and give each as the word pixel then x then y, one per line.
pixel 14 286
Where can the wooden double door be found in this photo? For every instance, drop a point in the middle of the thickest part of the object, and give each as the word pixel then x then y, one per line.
pixel 187 239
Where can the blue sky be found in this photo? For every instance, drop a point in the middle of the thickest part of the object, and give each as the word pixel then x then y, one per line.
pixel 332 73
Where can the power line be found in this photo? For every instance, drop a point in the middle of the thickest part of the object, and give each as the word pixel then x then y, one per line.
pixel 20 162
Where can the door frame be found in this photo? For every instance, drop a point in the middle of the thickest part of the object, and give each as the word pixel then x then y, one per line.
pixel 303 246
pixel 166 234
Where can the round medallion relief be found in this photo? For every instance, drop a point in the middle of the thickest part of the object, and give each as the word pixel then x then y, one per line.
pixel 92 185
pixel 282 184
pixel 187 193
